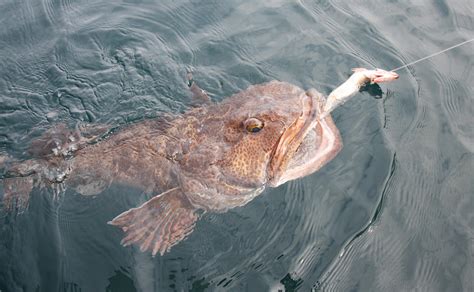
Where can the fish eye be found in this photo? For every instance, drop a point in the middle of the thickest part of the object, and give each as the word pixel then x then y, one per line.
pixel 253 125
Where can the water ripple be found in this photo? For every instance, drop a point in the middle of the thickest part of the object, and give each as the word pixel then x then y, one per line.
pixel 361 223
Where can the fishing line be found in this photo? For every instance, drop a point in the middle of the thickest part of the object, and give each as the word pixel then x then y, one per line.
pixel 432 55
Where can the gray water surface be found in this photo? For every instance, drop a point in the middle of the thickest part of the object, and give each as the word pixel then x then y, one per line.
pixel 394 211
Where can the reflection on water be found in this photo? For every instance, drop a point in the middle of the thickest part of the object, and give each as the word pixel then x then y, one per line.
pixel 393 211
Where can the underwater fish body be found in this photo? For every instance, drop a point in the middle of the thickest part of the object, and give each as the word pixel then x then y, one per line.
pixel 212 158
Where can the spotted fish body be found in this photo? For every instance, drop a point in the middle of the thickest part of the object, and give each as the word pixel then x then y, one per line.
pixel 212 158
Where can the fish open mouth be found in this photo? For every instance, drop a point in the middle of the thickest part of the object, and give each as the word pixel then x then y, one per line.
pixel 306 145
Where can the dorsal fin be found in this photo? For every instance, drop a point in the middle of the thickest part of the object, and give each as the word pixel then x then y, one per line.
pixel 199 95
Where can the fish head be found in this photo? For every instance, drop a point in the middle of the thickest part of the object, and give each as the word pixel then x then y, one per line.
pixel 376 75
pixel 380 75
pixel 267 135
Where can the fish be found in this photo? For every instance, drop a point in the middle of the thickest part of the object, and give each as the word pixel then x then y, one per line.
pixel 211 158
pixel 351 86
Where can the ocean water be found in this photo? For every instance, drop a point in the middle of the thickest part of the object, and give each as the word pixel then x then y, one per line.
pixel 394 211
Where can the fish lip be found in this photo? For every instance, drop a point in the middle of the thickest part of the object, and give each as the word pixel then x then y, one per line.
pixel 292 138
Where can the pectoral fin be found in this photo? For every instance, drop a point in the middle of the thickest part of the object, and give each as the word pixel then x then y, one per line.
pixel 158 224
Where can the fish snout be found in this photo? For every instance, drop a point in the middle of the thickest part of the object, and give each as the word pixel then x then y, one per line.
pixel 380 76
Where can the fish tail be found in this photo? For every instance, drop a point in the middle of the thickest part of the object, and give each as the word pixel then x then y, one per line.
pixel 16 193
pixel 17 180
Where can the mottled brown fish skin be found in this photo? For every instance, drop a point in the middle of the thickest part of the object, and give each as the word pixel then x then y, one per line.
pixel 206 158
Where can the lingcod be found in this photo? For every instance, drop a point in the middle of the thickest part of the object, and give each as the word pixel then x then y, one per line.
pixel 213 157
